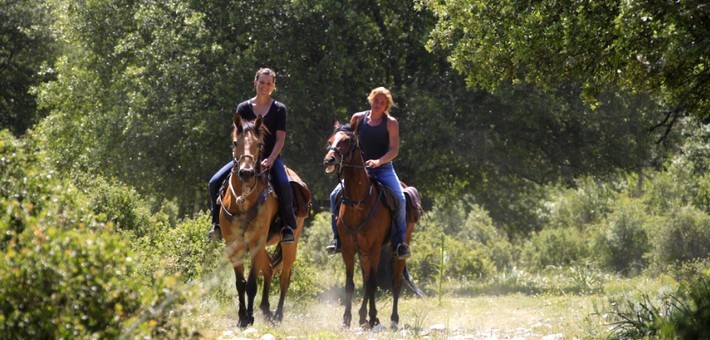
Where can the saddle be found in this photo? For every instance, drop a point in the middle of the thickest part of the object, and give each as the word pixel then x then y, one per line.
pixel 301 196
pixel 414 208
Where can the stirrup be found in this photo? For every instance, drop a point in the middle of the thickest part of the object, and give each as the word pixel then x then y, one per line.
pixel 287 235
pixel 215 234
pixel 403 251
pixel 333 247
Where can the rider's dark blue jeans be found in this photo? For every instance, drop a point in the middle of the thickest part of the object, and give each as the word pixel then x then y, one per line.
pixel 279 180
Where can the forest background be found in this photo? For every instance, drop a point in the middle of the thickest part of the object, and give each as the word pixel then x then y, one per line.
pixel 541 135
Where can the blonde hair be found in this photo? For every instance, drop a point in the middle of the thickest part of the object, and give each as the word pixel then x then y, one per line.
pixel 388 95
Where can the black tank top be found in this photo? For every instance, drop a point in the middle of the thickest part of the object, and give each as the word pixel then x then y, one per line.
pixel 374 140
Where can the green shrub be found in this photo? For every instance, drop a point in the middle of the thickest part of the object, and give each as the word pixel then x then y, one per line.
pixel 119 203
pixel 58 283
pixel 682 235
pixel 71 281
pixel 467 260
pixel 327 271
pixel 65 273
pixel 702 198
pixel 586 204
pixel 183 250
pixel 554 247
pixel 624 242
pixel 473 247
pixel 667 190
pixel 683 314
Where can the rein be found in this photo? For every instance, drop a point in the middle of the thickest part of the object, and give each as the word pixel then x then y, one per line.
pixel 241 200
pixel 346 200
pixel 246 190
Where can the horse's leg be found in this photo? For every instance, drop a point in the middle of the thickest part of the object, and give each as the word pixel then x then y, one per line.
pixel 397 273
pixel 261 263
pixel 349 259
pixel 289 257
pixel 396 290
pixel 372 285
pixel 241 288
pixel 251 293
pixel 265 306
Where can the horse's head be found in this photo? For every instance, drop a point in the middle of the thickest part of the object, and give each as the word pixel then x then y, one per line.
pixel 341 147
pixel 247 139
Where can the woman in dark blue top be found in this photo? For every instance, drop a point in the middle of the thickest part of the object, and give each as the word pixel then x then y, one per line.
pixel 378 135
pixel 274 115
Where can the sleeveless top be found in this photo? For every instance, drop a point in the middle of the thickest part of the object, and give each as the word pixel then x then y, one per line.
pixel 374 140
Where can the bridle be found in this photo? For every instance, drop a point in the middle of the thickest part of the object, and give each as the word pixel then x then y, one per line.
pixel 350 164
pixel 246 189
pixel 340 165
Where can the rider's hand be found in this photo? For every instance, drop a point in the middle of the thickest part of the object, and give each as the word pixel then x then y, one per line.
pixel 372 163
pixel 266 164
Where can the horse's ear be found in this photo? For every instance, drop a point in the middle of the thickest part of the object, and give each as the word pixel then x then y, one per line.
pixel 336 124
pixel 238 122
pixel 358 119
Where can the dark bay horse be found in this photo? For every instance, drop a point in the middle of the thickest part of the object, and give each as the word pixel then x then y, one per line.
pixel 363 224
pixel 249 207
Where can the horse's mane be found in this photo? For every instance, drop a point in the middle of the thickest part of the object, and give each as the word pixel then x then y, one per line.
pixel 347 128
pixel 249 126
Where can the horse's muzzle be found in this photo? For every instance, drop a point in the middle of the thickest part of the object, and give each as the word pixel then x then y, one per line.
pixel 246 174
pixel 329 163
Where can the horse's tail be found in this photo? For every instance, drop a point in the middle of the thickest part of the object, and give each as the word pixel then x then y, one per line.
pixel 409 281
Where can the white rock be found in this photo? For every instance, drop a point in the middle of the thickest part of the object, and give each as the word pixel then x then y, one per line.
pixel 250 331
pixel 438 327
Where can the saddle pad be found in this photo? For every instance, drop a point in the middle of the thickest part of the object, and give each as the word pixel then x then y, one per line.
pixel 301 194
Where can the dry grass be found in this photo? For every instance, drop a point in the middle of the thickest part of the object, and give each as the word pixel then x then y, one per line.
pixel 483 317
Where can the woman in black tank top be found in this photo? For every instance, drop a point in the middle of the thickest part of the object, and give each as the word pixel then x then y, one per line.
pixel 378 134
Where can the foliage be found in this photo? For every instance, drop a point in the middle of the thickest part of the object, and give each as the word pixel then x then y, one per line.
pixel 657 47
pixel 587 203
pixel 457 241
pixel 120 204
pixel 682 314
pixel 27 51
pixel 684 234
pixel 67 272
pixel 555 247
pixel 181 251
pixel 145 91
pixel 624 242
pixel 311 253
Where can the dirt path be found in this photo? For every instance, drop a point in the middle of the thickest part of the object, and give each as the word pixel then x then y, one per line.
pixel 485 317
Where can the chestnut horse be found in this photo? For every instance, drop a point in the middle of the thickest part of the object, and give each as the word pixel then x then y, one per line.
pixel 249 207
pixel 363 224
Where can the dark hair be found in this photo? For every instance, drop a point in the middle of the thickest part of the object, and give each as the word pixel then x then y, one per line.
pixel 265 71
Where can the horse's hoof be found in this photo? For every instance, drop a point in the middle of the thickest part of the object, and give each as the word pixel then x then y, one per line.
pixel 374 322
pixel 246 321
pixel 394 326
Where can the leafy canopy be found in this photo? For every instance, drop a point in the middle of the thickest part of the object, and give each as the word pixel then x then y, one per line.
pixel 659 47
